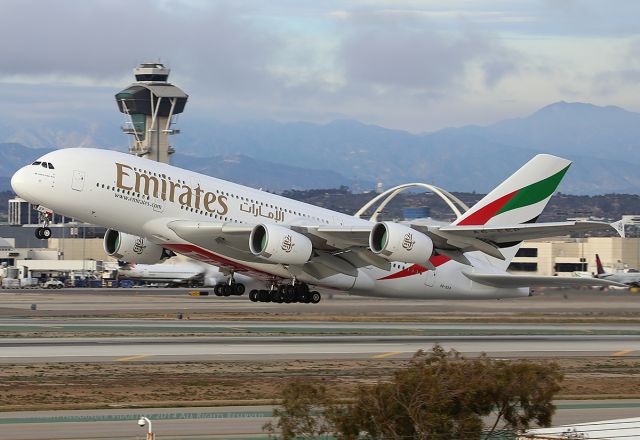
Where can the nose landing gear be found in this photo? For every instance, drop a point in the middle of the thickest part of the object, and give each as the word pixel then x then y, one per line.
pixel 43 232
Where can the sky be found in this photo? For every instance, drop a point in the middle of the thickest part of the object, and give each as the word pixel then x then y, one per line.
pixel 416 65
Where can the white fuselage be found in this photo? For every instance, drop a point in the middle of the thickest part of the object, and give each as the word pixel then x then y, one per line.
pixel 140 197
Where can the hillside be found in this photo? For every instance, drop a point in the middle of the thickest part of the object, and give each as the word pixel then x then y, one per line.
pixel 603 142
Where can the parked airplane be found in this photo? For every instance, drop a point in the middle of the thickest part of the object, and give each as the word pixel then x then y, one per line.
pixel 179 274
pixel 629 278
pixel 154 209
pixel 183 274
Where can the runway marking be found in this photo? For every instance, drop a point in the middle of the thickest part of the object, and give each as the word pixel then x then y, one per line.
pixel 237 328
pixel 132 358
pixel 622 353
pixel 384 355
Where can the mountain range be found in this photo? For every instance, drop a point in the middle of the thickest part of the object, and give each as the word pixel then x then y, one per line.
pixel 603 142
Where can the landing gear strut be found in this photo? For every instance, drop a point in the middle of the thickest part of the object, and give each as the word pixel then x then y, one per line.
pixel 292 293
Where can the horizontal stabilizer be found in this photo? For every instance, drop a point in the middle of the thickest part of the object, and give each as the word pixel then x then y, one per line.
pixel 513 281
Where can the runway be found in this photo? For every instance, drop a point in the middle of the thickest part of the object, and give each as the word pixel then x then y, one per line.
pixel 229 348
pixel 115 302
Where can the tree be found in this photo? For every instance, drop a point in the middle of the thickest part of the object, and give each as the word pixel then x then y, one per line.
pixel 439 395
pixel 297 418
pixel 522 392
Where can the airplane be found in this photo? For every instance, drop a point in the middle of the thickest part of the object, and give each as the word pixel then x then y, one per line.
pixel 154 210
pixel 188 274
pixel 628 278
pixel 185 273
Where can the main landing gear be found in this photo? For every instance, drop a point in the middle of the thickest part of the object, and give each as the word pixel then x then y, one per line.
pixel 229 288
pixel 293 293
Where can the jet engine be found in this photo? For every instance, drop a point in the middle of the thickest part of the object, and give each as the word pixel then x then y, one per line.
pixel 280 245
pixel 132 249
pixel 396 242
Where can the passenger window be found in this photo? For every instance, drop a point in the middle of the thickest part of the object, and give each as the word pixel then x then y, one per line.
pixel 50 166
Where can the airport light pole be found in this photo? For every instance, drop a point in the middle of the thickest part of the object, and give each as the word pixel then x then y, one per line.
pixel 141 422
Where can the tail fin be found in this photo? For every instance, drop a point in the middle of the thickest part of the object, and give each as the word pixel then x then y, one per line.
pixel 522 197
pixel 599 268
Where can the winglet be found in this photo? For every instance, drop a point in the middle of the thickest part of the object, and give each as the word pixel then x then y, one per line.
pixel 619 227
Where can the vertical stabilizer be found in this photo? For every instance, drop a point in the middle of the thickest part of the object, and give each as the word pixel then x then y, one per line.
pixel 599 268
pixel 522 197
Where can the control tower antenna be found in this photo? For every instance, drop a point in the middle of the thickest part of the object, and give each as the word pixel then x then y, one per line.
pixel 150 105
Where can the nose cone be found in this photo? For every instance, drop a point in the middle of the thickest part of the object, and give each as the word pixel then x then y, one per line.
pixel 20 183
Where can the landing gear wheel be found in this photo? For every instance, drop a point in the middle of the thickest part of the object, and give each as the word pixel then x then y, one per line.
pixel 263 296
pixel 218 289
pixel 43 233
pixel 253 295
pixel 238 289
pixel 289 294
pixel 226 290
pixel 315 297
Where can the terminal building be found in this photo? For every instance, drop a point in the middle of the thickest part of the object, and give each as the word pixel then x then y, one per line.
pixel 566 256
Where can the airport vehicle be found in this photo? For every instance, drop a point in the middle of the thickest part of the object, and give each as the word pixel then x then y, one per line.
pixel 631 279
pixel 154 210
pixel 53 284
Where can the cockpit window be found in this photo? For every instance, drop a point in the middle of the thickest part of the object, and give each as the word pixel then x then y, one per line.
pixel 44 164
pixel 50 165
pixel 36 163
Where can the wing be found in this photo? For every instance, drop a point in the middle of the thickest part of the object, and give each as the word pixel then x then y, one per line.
pixel 344 249
pixel 489 239
pixel 453 241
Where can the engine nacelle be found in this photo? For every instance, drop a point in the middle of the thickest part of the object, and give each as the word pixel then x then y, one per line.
pixel 132 249
pixel 396 242
pixel 280 245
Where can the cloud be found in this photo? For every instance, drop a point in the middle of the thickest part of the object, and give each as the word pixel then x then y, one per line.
pixel 415 64
pixel 404 53
pixel 66 41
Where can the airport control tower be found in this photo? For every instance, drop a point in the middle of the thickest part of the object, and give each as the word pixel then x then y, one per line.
pixel 151 104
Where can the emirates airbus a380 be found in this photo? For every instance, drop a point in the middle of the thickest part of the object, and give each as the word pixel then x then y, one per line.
pixel 153 210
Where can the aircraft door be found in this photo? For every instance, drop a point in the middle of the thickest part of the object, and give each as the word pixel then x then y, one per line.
pixel 78 180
